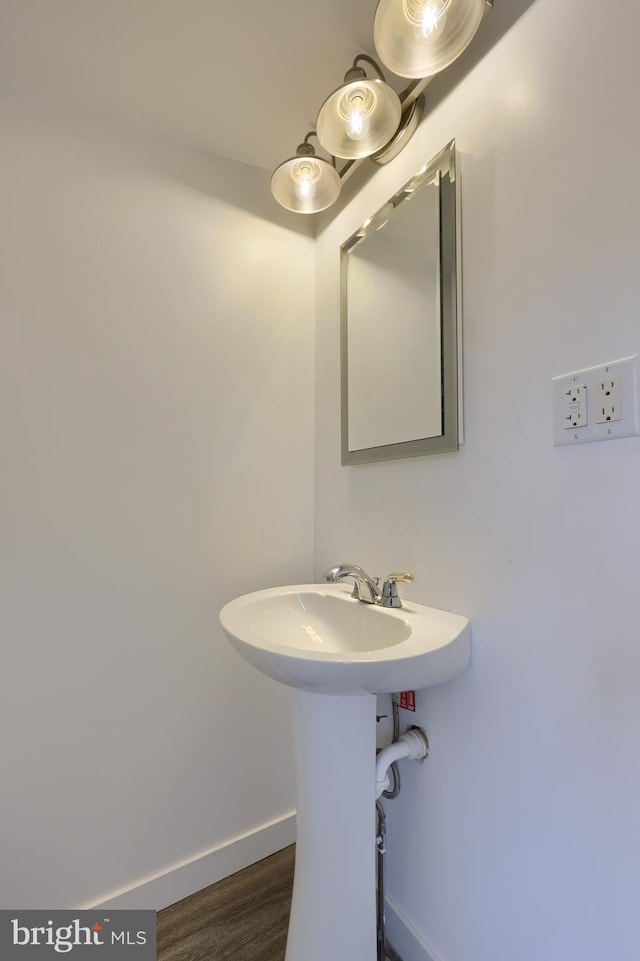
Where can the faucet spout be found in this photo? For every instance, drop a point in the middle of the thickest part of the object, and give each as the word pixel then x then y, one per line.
pixel 365 588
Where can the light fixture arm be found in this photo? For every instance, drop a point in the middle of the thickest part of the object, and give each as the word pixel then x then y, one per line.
pixel 356 72
pixel 305 149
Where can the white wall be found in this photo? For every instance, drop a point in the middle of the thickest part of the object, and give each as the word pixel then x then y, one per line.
pixel 155 433
pixel 519 838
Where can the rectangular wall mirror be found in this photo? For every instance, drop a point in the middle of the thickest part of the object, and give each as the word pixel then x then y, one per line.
pixel 399 323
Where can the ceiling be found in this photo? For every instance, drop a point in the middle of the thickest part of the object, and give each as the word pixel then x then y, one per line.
pixel 243 80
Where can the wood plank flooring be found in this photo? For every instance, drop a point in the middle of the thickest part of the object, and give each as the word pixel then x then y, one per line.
pixel 242 918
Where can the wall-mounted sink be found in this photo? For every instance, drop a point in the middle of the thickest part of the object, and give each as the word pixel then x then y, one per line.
pixel 319 638
pixel 335 653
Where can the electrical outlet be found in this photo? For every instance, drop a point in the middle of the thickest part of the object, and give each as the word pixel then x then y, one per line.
pixel 596 403
pixel 607 401
pixel 575 407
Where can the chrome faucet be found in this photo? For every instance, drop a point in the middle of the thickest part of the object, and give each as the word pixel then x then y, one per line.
pixel 366 588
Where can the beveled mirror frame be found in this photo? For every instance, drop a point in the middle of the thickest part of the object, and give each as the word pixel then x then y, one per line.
pixel 442 169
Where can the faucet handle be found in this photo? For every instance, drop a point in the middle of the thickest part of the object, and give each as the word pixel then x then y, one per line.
pixel 390 596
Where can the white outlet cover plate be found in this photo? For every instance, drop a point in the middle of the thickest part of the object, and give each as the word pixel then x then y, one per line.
pixel 626 370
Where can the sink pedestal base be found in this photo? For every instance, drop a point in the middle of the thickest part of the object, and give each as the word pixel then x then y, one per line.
pixel 333 912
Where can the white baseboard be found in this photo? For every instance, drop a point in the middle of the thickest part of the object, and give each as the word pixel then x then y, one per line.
pixel 180 880
pixel 402 935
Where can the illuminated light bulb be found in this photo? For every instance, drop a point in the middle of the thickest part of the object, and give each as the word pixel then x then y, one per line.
pixel 355 108
pixel 434 16
pixel 428 16
pixel 305 189
pixel 357 121
pixel 305 175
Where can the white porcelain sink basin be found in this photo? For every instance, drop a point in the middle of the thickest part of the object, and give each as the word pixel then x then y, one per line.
pixel 318 638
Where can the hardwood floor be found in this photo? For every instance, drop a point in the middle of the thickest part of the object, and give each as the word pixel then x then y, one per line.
pixel 242 918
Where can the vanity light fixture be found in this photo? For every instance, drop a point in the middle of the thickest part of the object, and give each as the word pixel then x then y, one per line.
pixel 419 38
pixel 365 117
pixel 306 183
pixel 361 116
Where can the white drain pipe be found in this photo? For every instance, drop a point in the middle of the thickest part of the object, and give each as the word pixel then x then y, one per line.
pixel 413 744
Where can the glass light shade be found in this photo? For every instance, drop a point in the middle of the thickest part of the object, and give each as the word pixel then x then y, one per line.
pixel 419 38
pixel 358 118
pixel 306 184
